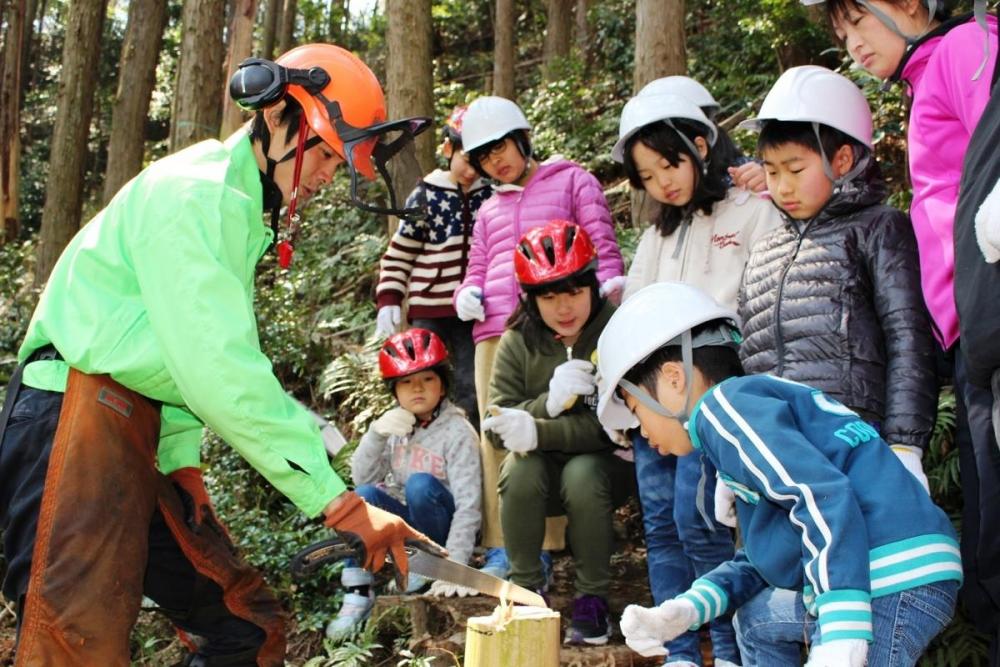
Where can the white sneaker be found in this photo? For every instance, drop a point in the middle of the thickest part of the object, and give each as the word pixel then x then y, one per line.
pixel 356 608
pixel 351 617
pixel 724 663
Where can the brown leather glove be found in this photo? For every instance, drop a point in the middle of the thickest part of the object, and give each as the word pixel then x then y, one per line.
pixel 373 532
pixel 198 506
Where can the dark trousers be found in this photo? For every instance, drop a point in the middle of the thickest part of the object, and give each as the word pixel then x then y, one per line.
pixel 457 337
pixel 979 464
pixel 193 602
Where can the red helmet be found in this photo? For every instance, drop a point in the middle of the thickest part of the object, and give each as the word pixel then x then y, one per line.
pixel 557 250
pixel 410 352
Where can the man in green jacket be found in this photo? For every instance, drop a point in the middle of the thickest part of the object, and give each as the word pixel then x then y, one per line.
pixel 144 335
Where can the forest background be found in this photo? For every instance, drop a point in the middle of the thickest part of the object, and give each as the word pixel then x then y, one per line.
pixel 93 90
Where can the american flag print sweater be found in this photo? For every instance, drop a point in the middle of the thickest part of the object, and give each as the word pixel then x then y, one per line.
pixel 426 258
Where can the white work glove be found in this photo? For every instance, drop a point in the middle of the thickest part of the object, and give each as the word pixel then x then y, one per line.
pixel 988 226
pixel 570 379
pixel 387 320
pixel 446 589
pixel 612 288
pixel 911 458
pixel 839 653
pixel 725 504
pixel 515 427
pixel 469 304
pixel 646 628
pixel 397 421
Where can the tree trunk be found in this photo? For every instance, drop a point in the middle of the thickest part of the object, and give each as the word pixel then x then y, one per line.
pixel 136 78
pixel 10 118
pixel 286 35
pixel 74 106
pixel 659 51
pixel 503 50
pixel 410 84
pixel 240 46
pixel 558 29
pixel 583 32
pixel 272 13
pixel 337 21
pixel 199 90
pixel 659 40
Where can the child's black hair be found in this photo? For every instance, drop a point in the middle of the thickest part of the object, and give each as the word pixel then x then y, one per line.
pixel 716 362
pixel 290 116
pixel 528 320
pixel 837 9
pixel 777 133
pixel 709 188
pixel 442 370
pixel 477 154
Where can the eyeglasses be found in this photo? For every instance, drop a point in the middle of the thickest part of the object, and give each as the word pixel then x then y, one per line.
pixel 492 149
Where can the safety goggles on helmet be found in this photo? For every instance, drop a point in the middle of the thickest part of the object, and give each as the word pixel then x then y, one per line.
pixel 555 251
pixel 410 352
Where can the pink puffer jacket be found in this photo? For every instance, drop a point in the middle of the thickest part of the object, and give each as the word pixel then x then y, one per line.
pixel 559 189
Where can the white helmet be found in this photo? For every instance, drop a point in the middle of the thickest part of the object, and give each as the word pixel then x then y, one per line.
pixel 817 95
pixel 684 86
pixel 657 315
pixel 643 110
pixel 490 118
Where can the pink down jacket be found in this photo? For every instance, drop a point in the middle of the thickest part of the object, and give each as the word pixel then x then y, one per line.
pixel 559 189
pixel 947 105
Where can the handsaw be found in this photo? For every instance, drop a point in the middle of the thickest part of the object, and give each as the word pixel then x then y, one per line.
pixel 424 562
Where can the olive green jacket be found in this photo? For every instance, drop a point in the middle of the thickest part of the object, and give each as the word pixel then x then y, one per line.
pixel 521 380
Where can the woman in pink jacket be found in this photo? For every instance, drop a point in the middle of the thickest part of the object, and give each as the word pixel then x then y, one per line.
pixel 947 66
pixel 529 194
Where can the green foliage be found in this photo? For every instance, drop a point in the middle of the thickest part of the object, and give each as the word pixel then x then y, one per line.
pixel 17 301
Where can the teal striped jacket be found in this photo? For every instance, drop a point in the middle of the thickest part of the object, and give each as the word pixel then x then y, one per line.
pixel 824 506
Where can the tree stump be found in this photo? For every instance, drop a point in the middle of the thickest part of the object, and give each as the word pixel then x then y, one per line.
pixel 530 638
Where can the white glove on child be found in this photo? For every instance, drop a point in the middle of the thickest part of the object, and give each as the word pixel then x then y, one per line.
pixel 725 504
pixel 612 289
pixel 646 628
pixel 570 379
pixel 515 427
pixel 911 458
pixel 397 422
pixel 387 320
pixel 839 653
pixel 446 589
pixel 469 304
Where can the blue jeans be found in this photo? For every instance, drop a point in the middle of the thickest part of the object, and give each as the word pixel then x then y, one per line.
pixel 429 505
pixel 683 540
pixel 774 624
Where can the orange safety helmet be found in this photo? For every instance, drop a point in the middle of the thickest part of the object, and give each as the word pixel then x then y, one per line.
pixel 352 86
pixel 344 105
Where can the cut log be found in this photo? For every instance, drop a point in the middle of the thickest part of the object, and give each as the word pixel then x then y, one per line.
pixel 529 638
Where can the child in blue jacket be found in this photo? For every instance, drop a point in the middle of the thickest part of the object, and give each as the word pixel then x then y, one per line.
pixel 871 565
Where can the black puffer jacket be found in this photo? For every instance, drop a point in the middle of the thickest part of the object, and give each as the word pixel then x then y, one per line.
pixel 838 306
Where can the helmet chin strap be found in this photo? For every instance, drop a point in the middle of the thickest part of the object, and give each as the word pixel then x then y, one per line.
pixel 641 395
pixel 860 163
pixel 285 238
pixel 891 25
